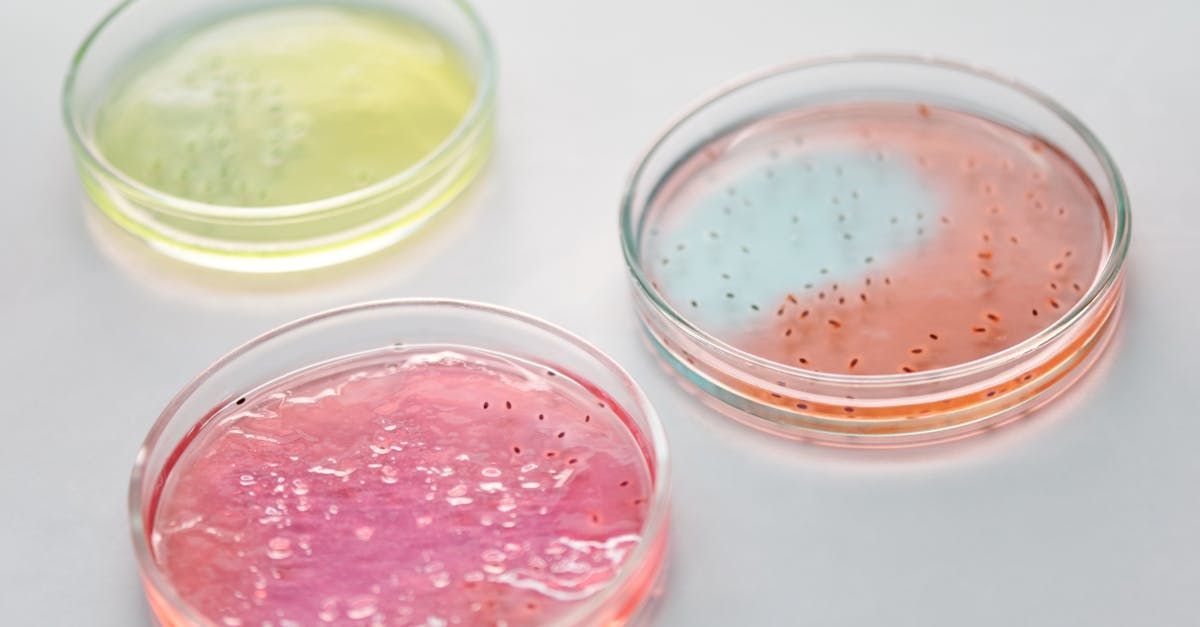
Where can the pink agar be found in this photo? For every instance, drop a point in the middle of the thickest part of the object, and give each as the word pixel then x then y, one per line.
pixel 416 486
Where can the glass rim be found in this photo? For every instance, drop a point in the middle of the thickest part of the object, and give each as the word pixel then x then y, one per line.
pixel 1106 278
pixel 476 114
pixel 654 434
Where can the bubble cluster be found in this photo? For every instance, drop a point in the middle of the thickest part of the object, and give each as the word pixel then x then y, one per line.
pixel 284 105
pixel 410 486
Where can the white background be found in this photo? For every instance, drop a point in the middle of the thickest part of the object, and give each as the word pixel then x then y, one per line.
pixel 1087 513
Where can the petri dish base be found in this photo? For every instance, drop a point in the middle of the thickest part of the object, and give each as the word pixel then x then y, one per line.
pixel 877 250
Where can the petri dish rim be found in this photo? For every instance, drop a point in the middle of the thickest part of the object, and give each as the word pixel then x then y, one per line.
pixel 1106 278
pixel 476 115
pixel 655 435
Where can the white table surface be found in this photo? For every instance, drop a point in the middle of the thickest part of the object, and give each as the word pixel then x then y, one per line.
pixel 1087 513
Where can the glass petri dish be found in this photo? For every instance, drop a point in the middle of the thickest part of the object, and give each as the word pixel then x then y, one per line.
pixel 434 461
pixel 269 137
pixel 876 250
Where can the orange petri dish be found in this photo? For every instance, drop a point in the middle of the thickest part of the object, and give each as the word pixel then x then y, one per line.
pixel 877 250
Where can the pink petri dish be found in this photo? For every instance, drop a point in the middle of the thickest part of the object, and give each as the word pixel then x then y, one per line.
pixel 410 462
pixel 877 250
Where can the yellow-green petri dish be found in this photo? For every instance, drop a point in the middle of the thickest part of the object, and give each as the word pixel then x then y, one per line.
pixel 278 136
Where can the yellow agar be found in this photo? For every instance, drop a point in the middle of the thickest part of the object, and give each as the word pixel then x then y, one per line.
pixel 285 105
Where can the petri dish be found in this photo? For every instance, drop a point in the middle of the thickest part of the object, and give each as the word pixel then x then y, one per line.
pixel 877 250
pixel 404 462
pixel 270 137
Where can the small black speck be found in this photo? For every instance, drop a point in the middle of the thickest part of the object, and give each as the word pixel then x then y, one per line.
pixel 241 400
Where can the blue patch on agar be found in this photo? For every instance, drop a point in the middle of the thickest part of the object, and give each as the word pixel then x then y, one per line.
pixel 798 221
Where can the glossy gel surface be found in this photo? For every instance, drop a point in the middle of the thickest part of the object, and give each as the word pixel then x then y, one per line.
pixel 417 486
pixel 874 238
pixel 284 105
